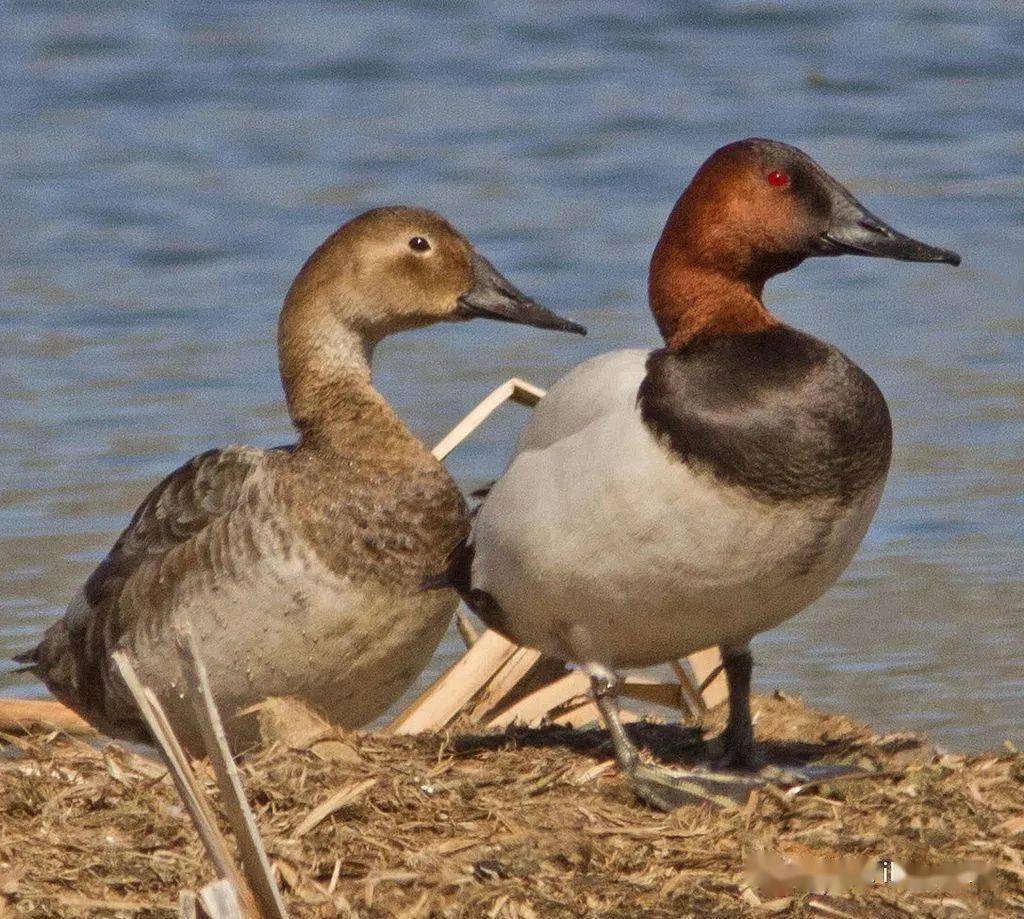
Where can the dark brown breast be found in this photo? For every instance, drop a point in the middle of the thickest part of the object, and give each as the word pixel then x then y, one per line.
pixel 778 412
pixel 384 512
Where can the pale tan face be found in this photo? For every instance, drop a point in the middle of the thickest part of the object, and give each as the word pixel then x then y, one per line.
pixel 414 263
pixel 397 268
pixel 391 269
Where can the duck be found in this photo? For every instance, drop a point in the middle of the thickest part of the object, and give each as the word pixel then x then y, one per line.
pixel 659 502
pixel 297 569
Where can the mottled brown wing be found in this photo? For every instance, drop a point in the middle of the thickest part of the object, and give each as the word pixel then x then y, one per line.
pixel 72 656
pixel 182 505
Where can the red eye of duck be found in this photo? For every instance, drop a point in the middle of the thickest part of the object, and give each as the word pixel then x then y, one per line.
pixel 778 179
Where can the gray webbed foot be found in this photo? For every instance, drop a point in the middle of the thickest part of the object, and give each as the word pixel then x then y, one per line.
pixel 738 772
pixel 657 786
pixel 809 774
pixel 666 790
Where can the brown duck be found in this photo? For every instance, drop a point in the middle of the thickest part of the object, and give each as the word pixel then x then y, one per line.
pixel 298 569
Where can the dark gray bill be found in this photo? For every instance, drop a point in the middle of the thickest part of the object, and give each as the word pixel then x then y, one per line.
pixel 854 230
pixel 493 296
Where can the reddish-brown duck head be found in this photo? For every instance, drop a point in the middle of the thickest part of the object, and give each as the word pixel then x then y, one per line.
pixel 754 209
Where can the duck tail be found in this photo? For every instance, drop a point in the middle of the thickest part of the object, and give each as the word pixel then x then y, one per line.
pixel 30 659
pixel 54 661
pixel 458 576
pixel 458 571
pixel 480 494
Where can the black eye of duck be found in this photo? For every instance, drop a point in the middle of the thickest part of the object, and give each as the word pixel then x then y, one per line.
pixel 419 244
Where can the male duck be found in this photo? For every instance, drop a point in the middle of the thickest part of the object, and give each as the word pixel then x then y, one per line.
pixel 299 569
pixel 661 502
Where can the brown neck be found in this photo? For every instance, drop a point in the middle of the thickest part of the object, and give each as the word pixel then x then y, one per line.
pixel 705 280
pixel 689 300
pixel 325 369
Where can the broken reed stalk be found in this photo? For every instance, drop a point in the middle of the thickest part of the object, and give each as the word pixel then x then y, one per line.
pixel 20 715
pixel 532 708
pixel 341 798
pixel 708 676
pixel 456 687
pixel 693 700
pixel 515 389
pixel 254 856
pixel 189 788
pixel 220 901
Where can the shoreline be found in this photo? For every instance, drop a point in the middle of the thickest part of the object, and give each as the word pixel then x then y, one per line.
pixel 523 822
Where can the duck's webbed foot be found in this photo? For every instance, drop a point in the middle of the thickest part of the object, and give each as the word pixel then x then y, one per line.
pixel 809 773
pixel 667 789
pixel 657 786
pixel 736 773
pixel 734 748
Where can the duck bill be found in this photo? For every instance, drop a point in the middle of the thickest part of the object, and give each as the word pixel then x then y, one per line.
pixel 854 230
pixel 493 296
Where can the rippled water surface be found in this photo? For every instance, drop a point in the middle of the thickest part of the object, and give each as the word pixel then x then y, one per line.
pixel 166 168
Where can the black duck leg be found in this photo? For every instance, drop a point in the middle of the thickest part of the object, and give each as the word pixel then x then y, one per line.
pixel 736 742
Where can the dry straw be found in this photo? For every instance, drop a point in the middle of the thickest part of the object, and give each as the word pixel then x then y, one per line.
pixel 486 798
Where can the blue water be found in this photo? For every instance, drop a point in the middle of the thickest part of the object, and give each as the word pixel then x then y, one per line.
pixel 165 169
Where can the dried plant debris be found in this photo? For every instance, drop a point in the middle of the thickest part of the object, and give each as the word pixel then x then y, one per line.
pixel 528 822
